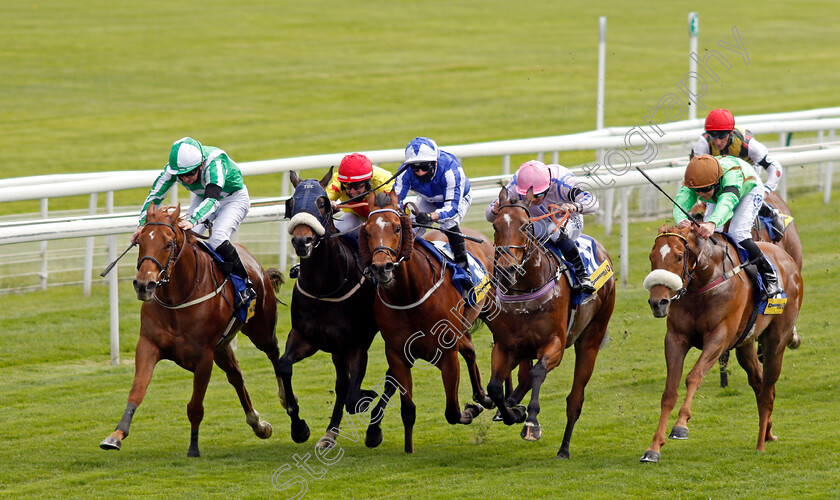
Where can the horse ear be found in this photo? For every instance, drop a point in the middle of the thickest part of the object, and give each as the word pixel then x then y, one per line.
pixel 364 251
pixel 503 196
pixel 150 211
pixel 293 177
pixel 371 201
pixel 663 228
pixel 325 181
pixel 394 200
pixel 529 196
pixel 177 213
pixel 407 237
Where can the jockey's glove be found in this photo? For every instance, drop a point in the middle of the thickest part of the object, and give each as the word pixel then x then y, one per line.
pixel 423 218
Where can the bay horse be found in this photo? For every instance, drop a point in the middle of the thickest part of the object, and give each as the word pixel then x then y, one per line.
pixel 332 308
pixel 420 313
pixel 709 310
pixel 187 316
pixel 531 319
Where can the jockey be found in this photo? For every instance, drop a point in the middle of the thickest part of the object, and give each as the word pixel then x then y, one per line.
pixel 554 185
pixel 442 188
pixel 220 197
pixel 356 175
pixel 731 190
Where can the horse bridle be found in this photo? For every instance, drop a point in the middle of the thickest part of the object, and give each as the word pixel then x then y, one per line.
pixel 527 249
pixel 173 256
pixel 687 274
pixel 389 250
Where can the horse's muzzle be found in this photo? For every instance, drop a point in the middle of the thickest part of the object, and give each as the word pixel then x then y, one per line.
pixel 659 307
pixel 384 273
pixel 144 289
pixel 303 246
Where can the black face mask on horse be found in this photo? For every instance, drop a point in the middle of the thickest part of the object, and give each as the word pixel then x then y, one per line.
pixel 310 206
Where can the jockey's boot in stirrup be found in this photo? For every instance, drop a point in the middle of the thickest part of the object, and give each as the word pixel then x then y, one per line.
pixel 459 248
pixel 231 256
pixel 771 285
pixel 776 219
pixel 584 284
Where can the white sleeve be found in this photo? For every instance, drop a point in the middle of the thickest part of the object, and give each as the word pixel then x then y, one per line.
pixel 701 148
pixel 761 158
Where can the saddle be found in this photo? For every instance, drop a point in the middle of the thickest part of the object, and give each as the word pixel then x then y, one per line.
pixel 245 311
pixel 472 285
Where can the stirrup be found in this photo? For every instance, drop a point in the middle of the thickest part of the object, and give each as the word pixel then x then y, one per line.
pixel 585 287
pixel 247 295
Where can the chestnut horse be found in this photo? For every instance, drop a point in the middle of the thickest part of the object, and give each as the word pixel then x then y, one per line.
pixel 187 317
pixel 531 319
pixel 420 313
pixel 709 310
pixel 791 244
pixel 332 309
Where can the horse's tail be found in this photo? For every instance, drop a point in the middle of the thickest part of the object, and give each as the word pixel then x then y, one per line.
pixel 477 324
pixel 277 279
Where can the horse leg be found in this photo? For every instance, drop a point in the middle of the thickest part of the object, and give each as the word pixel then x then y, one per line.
pixel 467 351
pixel 296 349
pixel 550 358
pixel 523 384
pixel 358 400
pixel 341 384
pixel 450 371
pixel 586 350
pixel 401 372
pixel 146 357
pixel 226 360
pixel 773 354
pixel 501 366
pixel 676 348
pixel 373 437
pixel 708 357
pixel 195 408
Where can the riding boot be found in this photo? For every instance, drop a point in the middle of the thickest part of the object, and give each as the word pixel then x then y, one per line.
pixel 229 253
pixel 570 252
pixel 771 285
pixel 776 220
pixel 459 248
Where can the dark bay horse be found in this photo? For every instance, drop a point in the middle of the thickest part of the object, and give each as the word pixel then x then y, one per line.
pixel 420 313
pixel 187 317
pixel 332 308
pixel 531 319
pixel 710 313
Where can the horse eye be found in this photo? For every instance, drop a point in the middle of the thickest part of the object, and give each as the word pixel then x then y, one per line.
pixel 397 229
pixel 679 258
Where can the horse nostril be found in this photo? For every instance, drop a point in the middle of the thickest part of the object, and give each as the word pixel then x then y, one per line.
pixel 389 267
pixel 150 286
pixel 307 241
pixel 663 302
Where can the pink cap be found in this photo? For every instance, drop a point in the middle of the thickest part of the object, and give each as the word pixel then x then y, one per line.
pixel 532 174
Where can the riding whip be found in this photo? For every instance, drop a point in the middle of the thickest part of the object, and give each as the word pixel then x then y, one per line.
pixel 112 264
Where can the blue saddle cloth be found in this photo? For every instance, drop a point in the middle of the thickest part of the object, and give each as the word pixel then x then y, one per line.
pixel 238 283
pixel 469 285
pixel 588 253
pixel 759 289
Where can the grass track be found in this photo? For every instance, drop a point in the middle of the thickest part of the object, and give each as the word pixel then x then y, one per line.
pixel 60 398
pixel 95 85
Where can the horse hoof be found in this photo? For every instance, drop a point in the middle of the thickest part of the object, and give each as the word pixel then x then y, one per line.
pixel 300 432
pixel 531 432
pixel 266 431
pixel 365 401
pixel 520 412
pixel 193 452
pixel 111 443
pixel 650 456
pixel 498 417
pixel 373 437
pixel 679 433
pixel 485 401
pixel 474 410
pixel 795 340
pixel 562 454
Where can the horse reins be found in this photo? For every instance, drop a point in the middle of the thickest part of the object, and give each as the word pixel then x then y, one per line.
pixel 687 274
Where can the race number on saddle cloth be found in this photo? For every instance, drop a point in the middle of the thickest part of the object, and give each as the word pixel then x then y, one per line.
pixel 472 285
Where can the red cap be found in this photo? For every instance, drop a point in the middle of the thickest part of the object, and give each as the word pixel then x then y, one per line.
pixel 354 168
pixel 720 119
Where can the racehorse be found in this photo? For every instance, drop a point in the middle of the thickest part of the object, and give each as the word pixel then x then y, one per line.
pixel 532 318
pixel 332 308
pixel 709 310
pixel 420 313
pixel 791 244
pixel 187 316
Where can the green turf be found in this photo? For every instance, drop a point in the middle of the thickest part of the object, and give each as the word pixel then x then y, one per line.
pixel 93 85
pixel 61 398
